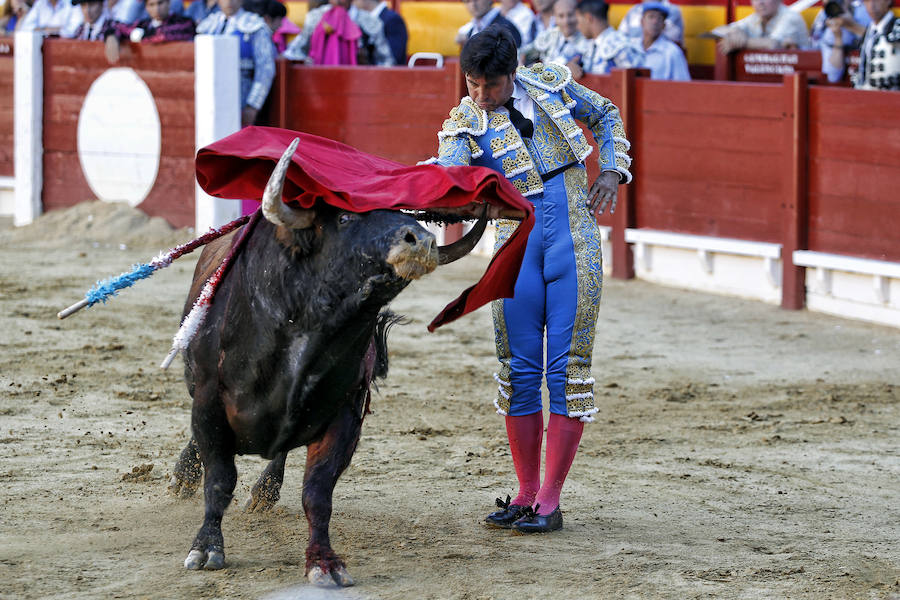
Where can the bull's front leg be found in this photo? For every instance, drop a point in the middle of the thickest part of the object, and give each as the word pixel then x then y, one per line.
pixel 267 490
pixel 326 459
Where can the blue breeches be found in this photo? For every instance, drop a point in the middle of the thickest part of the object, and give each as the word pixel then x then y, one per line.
pixel 556 298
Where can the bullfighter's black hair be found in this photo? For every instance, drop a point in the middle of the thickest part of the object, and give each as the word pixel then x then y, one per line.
pixel 490 53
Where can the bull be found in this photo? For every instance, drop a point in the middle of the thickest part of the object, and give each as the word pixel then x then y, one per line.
pixel 287 353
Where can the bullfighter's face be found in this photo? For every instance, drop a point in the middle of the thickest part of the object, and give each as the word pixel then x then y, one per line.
pixel 766 9
pixel 490 93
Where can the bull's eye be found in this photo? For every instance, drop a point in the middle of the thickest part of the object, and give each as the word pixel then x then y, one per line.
pixel 345 218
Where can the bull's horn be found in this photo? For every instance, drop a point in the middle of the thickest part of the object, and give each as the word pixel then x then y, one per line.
pixel 274 209
pixel 464 245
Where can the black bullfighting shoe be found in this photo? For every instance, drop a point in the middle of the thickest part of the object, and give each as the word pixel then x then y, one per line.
pixel 531 522
pixel 506 516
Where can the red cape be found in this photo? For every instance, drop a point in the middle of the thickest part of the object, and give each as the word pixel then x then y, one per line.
pixel 239 167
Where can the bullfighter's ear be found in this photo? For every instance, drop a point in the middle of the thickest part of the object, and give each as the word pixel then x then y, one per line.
pixel 273 207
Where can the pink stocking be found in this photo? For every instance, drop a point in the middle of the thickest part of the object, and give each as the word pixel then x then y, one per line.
pixel 563 437
pixel 525 436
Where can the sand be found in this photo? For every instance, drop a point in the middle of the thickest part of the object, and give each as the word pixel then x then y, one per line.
pixel 741 451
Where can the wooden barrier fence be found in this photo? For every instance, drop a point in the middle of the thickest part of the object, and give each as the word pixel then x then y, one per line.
pixel 805 167
pixel 7 120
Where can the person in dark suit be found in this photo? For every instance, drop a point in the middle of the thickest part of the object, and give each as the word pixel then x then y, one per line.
pixel 484 15
pixel 394 27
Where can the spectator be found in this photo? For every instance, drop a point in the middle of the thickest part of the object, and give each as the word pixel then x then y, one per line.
pixel 95 20
pixel 257 53
pixel 662 56
pixel 520 14
pixel 14 12
pixel 607 48
pixel 161 25
pixel 394 27
pixel 879 56
pixel 544 16
pixel 632 27
pixel 198 10
pixel 51 16
pixel 560 44
pixel 310 46
pixel 484 15
pixel 771 26
pixel 848 27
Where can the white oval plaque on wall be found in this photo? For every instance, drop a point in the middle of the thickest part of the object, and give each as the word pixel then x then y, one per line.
pixel 119 137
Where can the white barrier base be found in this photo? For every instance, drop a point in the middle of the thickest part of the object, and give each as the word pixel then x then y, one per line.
pixel 716 265
pixel 867 290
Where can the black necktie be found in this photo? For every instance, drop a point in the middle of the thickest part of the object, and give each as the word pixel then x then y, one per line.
pixel 525 126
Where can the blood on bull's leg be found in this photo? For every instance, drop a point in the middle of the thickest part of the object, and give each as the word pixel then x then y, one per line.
pixel 215 441
pixel 326 459
pixel 187 472
pixel 267 490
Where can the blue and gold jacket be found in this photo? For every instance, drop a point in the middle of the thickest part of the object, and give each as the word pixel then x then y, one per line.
pixel 473 136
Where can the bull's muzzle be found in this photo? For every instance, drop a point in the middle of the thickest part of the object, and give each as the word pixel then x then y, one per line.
pixel 413 252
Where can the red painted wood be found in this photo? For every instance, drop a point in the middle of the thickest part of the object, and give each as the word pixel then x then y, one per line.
pixel 796 218
pixel 7 123
pixel 854 174
pixel 70 67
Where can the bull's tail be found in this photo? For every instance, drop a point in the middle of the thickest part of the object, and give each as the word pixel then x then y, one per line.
pixel 386 320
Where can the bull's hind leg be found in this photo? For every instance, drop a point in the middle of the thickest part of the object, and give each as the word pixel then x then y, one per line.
pixel 326 459
pixel 267 490
pixel 187 472
pixel 215 441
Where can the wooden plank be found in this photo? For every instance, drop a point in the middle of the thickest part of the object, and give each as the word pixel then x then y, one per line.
pixel 700 131
pixel 711 98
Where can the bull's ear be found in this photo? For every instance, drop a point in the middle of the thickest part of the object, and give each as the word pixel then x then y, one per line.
pixel 273 207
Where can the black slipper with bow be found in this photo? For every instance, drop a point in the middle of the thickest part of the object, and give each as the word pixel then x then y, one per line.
pixel 532 522
pixel 507 515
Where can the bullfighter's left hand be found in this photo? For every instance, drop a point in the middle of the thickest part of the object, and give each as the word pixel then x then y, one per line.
pixel 603 193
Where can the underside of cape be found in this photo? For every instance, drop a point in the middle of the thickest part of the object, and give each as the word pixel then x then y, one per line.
pixel 322 170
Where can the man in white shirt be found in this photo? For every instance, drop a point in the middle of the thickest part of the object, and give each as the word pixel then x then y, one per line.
pixel 95 20
pixel 483 15
pixel 50 17
pixel 519 14
pixel 560 44
pixel 662 56
pixel 674 29
pixel 608 48
pixel 771 26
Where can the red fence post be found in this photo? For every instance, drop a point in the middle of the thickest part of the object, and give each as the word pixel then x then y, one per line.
pixel 795 204
pixel 624 217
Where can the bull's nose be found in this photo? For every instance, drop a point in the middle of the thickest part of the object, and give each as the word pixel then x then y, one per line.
pixel 413 253
pixel 417 238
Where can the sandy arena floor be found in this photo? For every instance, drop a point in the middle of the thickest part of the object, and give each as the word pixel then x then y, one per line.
pixel 742 451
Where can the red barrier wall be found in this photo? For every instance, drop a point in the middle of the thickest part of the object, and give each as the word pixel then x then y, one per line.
pixel 7 125
pixel 168 70
pixel 854 173
pixel 395 113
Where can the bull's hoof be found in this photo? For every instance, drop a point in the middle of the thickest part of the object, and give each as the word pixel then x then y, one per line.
pixel 260 502
pixel 199 559
pixel 181 487
pixel 339 576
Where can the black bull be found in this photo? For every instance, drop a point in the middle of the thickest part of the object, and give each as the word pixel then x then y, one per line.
pixel 286 355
